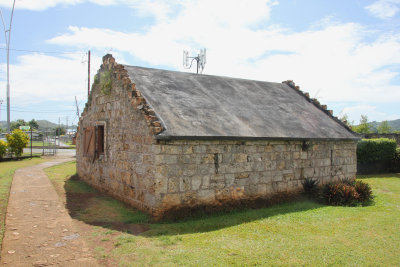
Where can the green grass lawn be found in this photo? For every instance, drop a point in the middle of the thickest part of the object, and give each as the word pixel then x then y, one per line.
pixel 296 233
pixel 7 170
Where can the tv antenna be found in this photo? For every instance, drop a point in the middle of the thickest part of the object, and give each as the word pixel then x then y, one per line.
pixel 200 60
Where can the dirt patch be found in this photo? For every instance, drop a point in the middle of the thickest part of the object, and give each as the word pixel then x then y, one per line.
pixel 100 230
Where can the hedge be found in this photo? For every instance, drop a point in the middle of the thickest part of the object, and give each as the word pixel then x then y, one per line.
pixel 396 161
pixel 373 150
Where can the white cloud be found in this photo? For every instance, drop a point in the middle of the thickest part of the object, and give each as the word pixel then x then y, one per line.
pixel 36 78
pixel 333 62
pixel 38 5
pixel 384 9
pixel 158 8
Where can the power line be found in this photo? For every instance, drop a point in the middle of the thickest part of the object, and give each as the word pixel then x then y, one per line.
pixel 54 110
pixel 46 112
pixel 44 52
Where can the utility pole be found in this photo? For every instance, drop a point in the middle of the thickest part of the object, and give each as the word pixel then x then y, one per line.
pixel 66 127
pixel 59 130
pixel 77 108
pixel 88 89
pixel 1 102
pixel 8 60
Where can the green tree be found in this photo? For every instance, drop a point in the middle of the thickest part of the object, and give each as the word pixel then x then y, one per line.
pixel 33 124
pixel 344 118
pixel 363 127
pixel 384 127
pixel 15 124
pixel 3 148
pixel 60 131
pixel 17 141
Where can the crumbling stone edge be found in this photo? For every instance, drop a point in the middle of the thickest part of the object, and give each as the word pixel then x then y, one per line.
pixel 137 99
pixel 316 103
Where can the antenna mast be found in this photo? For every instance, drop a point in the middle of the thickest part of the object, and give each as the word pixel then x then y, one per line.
pixel 200 60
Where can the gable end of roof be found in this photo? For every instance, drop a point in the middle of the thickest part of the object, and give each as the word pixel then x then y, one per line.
pixel 137 99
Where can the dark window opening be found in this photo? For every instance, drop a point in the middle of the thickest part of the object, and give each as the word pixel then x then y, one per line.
pixel 100 139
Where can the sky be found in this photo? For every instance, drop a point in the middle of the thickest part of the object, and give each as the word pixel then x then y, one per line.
pixel 345 53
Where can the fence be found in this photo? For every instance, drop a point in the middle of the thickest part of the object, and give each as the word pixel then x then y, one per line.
pixel 43 143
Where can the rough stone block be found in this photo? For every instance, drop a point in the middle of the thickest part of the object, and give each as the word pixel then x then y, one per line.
pixel 254 178
pixel 229 179
pixel 206 196
pixel 189 198
pixel 242 182
pixel 265 177
pixel 277 176
pixel 196 182
pixel 280 148
pixel 308 172
pixel 205 169
pixel 173 185
pixel 187 149
pixel 207 159
pixel 184 184
pixel 171 200
pixel 258 166
pixel 161 186
pixel 270 165
pixel 242 175
pixel 240 157
pixel 199 149
pixel 227 158
pixel 171 149
pixel 205 181
pixel 281 165
pixel 250 149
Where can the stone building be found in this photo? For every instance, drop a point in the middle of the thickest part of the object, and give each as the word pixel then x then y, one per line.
pixel 163 140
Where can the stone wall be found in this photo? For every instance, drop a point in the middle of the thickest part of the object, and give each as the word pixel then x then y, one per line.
pixel 157 176
pixel 211 172
pixel 125 170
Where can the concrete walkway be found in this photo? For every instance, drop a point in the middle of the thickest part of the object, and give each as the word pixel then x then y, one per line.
pixel 39 231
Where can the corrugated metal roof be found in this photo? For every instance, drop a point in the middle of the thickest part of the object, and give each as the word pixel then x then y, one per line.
pixel 207 106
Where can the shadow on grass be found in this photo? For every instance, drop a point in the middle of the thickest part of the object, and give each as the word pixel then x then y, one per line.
pixel 219 220
pixel 381 175
pixel 95 208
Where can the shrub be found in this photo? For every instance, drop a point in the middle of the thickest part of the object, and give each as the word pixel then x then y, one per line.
pixel 372 150
pixel 3 148
pixel 348 181
pixel 17 141
pixel 106 82
pixel 340 194
pixel 310 187
pixel 364 191
pixel 396 161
